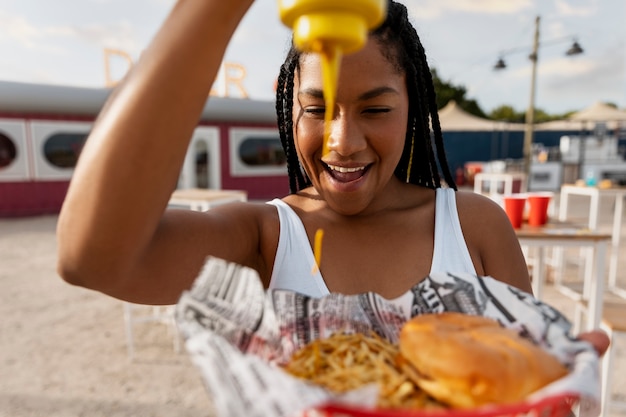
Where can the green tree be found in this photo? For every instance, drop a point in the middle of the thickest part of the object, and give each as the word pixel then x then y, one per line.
pixel 446 91
pixel 542 116
pixel 507 113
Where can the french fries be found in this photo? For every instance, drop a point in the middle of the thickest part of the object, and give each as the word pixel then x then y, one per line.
pixel 344 362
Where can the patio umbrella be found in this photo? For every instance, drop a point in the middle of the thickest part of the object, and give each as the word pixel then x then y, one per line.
pixel 599 112
pixel 453 118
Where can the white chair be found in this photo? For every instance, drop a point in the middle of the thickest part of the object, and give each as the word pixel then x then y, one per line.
pixel 136 313
pixel 614 324
pixel 497 184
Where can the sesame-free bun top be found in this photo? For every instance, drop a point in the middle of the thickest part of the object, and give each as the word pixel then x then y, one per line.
pixel 467 361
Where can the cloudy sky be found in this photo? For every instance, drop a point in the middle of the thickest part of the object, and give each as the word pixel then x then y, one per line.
pixel 64 42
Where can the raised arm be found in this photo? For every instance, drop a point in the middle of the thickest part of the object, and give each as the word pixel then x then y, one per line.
pixel 111 232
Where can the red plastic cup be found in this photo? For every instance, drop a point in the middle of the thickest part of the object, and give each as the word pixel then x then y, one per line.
pixel 538 208
pixel 514 205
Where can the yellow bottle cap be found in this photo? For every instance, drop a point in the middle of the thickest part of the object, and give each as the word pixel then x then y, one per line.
pixel 313 32
pixel 342 23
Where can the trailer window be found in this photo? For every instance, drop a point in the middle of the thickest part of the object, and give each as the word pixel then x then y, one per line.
pixel 8 151
pixel 256 152
pixel 262 151
pixel 62 149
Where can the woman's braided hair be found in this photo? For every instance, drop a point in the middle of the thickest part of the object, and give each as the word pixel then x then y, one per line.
pixel 420 163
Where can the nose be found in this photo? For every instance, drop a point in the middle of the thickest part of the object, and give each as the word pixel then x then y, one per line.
pixel 345 138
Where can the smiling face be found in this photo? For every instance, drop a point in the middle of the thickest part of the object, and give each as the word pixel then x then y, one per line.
pixel 367 133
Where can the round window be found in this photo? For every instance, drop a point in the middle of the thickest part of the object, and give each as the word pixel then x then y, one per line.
pixel 8 151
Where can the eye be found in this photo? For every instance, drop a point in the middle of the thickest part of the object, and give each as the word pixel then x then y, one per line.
pixel 377 110
pixel 315 110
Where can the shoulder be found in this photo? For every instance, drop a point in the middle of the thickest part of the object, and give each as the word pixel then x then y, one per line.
pixel 478 209
pixel 478 213
pixel 251 212
pixel 248 234
pixel 469 200
pixel 260 216
pixel 491 239
pixel 233 230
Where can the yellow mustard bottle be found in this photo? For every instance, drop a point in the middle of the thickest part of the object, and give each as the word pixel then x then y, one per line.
pixel 331 28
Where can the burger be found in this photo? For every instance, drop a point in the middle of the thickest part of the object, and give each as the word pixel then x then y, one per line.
pixel 468 361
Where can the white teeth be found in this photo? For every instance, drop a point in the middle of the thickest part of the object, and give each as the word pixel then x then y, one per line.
pixel 345 169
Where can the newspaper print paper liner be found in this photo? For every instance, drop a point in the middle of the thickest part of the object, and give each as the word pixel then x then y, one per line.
pixel 238 334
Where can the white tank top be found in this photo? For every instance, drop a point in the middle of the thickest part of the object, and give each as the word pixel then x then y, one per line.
pixel 294 265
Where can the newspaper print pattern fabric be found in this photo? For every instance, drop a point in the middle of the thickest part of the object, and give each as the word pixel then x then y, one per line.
pixel 231 322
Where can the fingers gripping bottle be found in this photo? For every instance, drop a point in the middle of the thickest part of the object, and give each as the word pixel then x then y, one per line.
pixel 331 28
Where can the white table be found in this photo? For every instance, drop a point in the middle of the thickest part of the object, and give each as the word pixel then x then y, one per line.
pixel 595 195
pixel 541 238
pixel 202 199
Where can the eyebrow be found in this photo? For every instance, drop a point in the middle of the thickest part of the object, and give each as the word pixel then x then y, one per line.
pixel 378 91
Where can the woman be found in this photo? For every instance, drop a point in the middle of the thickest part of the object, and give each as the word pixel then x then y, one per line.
pixel 376 193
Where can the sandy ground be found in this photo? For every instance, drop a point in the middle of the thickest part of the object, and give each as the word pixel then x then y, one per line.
pixel 63 349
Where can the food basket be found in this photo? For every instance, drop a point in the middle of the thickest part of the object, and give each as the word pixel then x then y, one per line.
pixel 238 334
pixel 553 406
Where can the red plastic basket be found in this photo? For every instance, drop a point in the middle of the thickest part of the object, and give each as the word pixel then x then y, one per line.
pixel 554 406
